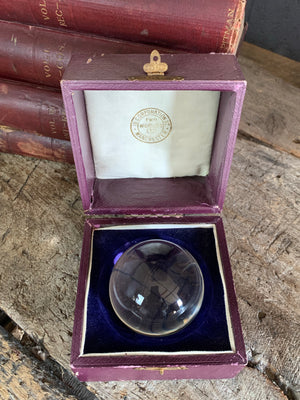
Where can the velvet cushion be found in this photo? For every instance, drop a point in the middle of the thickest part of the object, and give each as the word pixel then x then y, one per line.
pixel 105 333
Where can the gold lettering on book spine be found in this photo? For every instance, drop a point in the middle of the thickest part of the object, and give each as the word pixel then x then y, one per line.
pixel 57 116
pixel 46 62
pixel 235 17
pixel 65 125
pixel 60 16
pixel 60 59
pixel 228 30
pixel 44 10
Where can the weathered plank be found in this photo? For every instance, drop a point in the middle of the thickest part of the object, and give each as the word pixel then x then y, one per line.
pixel 271 108
pixel 249 384
pixel 262 220
pixel 41 233
pixel 280 66
pixel 24 377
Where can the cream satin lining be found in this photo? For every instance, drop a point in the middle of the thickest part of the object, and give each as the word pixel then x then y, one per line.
pixel 185 121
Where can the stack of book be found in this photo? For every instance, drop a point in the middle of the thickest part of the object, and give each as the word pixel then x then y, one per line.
pixel 38 39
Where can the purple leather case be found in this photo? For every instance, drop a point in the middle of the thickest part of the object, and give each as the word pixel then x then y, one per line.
pixel 186 209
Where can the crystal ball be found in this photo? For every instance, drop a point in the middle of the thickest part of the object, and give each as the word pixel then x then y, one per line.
pixel 156 287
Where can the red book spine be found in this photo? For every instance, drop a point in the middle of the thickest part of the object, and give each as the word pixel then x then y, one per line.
pixel 40 55
pixel 28 144
pixel 33 108
pixel 195 25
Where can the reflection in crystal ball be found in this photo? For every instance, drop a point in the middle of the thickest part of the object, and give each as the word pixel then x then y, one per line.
pixel 156 287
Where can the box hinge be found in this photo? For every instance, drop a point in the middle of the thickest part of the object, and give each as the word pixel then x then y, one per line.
pixel 148 216
pixel 125 216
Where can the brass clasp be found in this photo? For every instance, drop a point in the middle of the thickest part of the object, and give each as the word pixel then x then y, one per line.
pixel 161 370
pixel 155 70
pixel 155 66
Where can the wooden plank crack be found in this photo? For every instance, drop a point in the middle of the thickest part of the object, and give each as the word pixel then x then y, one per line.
pixel 26 181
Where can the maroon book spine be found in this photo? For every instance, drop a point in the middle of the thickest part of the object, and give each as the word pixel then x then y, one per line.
pixel 29 144
pixel 33 109
pixel 40 55
pixel 195 25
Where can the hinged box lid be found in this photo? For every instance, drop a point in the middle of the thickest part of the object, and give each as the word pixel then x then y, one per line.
pixel 153 145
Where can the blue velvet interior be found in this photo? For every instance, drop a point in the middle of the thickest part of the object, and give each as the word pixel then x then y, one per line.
pixel 105 333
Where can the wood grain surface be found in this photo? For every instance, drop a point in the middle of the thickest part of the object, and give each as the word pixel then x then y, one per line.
pixel 271 108
pixel 279 66
pixel 40 242
pixel 22 376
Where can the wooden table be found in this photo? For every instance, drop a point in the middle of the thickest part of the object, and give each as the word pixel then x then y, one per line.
pixel 40 242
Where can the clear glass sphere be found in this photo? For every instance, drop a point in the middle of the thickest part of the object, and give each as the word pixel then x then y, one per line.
pixel 156 287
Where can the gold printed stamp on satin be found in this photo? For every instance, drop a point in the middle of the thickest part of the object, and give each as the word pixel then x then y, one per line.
pixel 151 125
